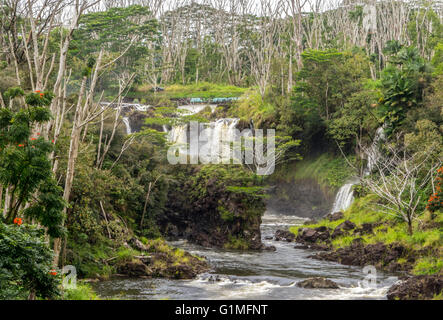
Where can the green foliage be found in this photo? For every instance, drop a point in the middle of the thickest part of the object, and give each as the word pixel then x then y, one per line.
pixel 25 263
pixel 352 123
pixel 328 170
pixel 236 243
pixel 81 292
pixel 403 83
pixel 428 266
pixel 325 83
pixel 203 90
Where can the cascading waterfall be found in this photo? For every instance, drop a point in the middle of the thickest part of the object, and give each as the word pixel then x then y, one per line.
pixel 345 195
pixel 127 125
pixel 211 136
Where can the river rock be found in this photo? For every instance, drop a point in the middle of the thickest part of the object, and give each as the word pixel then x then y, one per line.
pixel 284 235
pixel 342 228
pixel 416 287
pixel 312 235
pixel 270 248
pixel 317 283
pixel 335 216
pixel 134 268
pixel 346 226
pixel 378 254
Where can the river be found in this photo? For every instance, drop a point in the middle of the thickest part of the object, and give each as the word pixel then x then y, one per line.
pixel 254 275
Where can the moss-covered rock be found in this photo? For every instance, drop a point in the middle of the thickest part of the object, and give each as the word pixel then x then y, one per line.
pixel 218 206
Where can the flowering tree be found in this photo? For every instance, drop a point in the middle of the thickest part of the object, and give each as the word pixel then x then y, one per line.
pixel 435 201
pixel 25 168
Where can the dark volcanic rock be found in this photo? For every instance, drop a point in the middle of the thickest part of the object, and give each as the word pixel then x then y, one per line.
pixel 416 287
pixel 312 235
pixel 214 217
pixel 346 226
pixel 284 235
pixel 317 283
pixel 379 255
pixel 335 216
pixel 134 268
pixel 342 228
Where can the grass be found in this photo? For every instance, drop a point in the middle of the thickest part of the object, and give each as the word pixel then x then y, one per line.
pixel 125 254
pixel 202 90
pixel 428 265
pixel 328 170
pixel 81 292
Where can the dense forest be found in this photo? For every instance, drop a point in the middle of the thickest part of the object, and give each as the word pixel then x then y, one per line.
pixel 95 93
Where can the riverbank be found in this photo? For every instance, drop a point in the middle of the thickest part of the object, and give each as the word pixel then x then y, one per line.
pixel 363 235
pixel 252 274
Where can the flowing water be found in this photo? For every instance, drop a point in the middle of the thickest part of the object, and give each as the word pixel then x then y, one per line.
pixel 254 275
pixel 127 125
pixel 345 195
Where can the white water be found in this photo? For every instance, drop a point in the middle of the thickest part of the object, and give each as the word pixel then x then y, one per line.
pixel 127 125
pixel 214 139
pixel 254 274
pixel 345 195
pixel 136 106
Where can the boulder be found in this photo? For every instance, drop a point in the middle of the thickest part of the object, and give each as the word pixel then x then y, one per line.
pixel 346 226
pixel 335 216
pixel 317 283
pixel 416 287
pixel 135 268
pixel 366 228
pixel 284 235
pixel 313 235
pixel 270 248
pixel 342 228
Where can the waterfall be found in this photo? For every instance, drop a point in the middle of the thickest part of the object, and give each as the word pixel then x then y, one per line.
pixel 345 195
pixel 373 152
pixel 214 138
pixel 127 125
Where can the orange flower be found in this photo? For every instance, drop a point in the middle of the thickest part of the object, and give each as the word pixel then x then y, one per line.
pixel 37 91
pixel 53 272
pixel 42 94
pixel 38 133
pixel 18 221
pixel 33 138
pixel 21 145
pixel 53 141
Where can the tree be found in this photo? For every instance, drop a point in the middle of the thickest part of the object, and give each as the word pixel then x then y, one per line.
pixel 403 84
pixel 399 180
